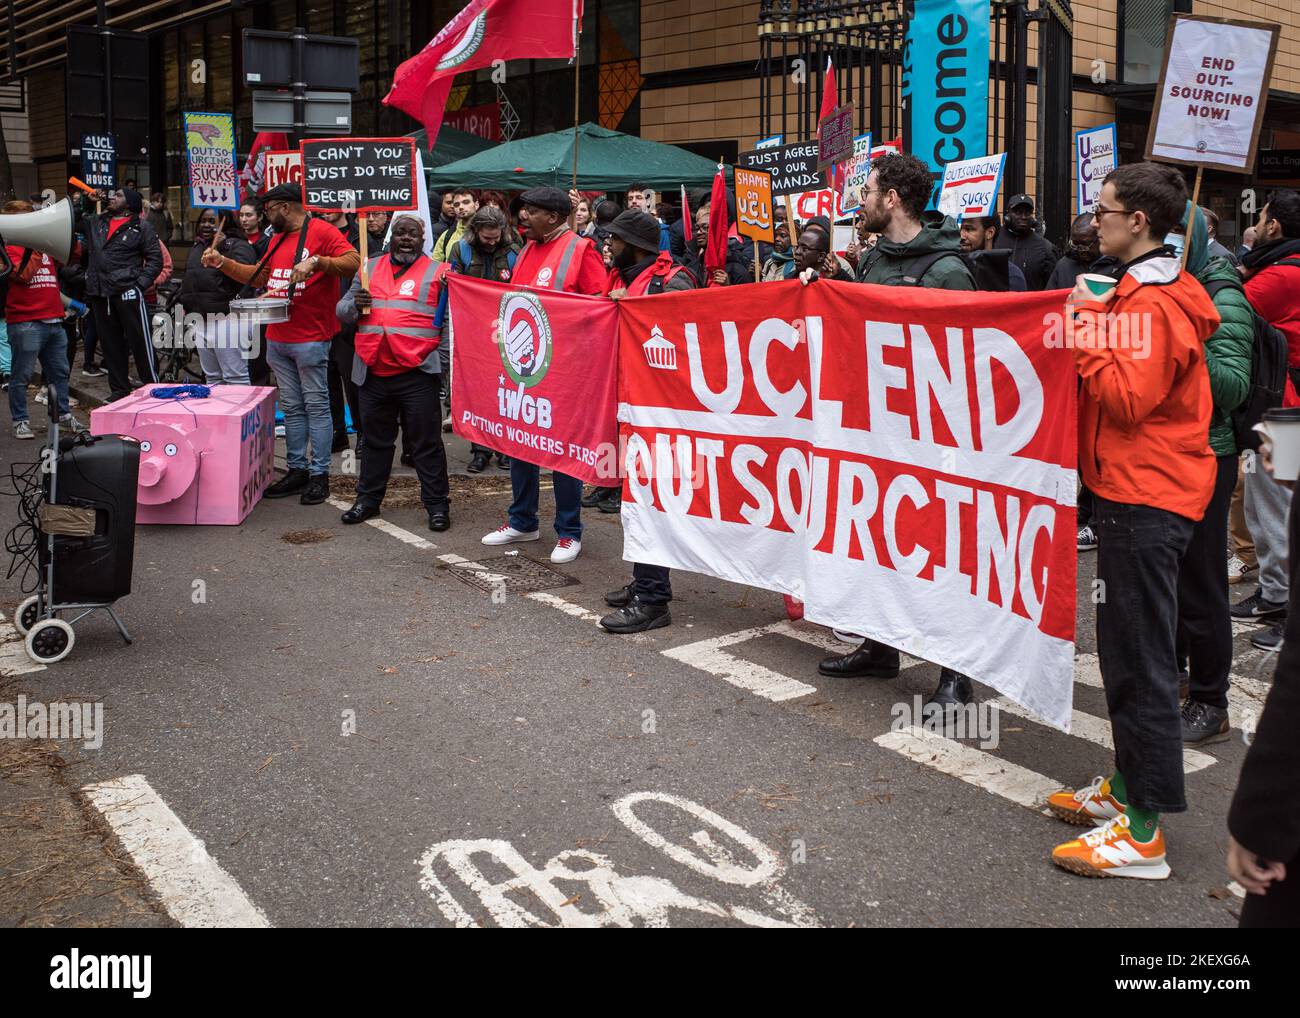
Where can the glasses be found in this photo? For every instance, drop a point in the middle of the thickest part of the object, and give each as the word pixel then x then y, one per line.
pixel 1098 212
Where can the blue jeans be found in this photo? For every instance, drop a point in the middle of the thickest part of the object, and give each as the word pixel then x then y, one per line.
pixel 30 341
pixel 525 480
pixel 302 373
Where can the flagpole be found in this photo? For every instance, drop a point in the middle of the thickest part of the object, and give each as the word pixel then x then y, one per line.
pixel 577 63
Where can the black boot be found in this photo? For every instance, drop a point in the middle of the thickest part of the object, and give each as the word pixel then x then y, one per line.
pixel 636 617
pixel 622 597
pixel 611 500
pixel 340 441
pixel 318 490
pixel 593 495
pixel 871 660
pixel 359 513
pixel 503 461
pixel 954 691
pixel 290 484
pixel 440 519
pixel 478 461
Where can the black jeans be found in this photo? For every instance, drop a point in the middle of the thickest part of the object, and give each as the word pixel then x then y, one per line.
pixel 412 399
pixel 1087 507
pixel 1204 625
pixel 1139 549
pixel 651 583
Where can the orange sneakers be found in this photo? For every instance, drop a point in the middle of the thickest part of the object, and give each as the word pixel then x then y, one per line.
pixel 1110 851
pixel 1091 805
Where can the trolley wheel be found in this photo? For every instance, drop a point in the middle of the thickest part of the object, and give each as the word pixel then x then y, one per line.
pixel 50 641
pixel 27 614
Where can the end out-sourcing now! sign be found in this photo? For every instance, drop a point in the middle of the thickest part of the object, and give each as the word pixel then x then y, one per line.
pixel 359 174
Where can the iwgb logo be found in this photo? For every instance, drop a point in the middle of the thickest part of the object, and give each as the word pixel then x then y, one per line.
pixel 524 342
pixel 466 46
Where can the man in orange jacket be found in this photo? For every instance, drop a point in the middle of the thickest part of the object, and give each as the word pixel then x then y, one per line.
pixel 1144 417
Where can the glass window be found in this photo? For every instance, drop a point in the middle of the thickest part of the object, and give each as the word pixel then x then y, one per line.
pixel 1144 23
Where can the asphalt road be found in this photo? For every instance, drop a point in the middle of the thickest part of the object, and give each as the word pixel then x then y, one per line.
pixel 511 762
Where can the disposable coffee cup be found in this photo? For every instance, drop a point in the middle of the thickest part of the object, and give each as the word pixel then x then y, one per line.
pixel 1281 429
pixel 1098 285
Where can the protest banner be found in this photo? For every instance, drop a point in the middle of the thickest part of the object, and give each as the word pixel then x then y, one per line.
pixel 886 147
pixel 483 121
pixel 1210 102
pixel 773 142
pixel 835 137
pixel 793 167
pixel 210 158
pixel 536 375
pixel 823 202
pixel 99 161
pixel 1096 153
pixel 853 174
pixel 901 459
pixel 970 187
pixel 282 168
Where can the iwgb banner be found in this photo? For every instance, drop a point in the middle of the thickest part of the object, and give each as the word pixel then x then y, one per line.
pixel 535 375
pixel 901 459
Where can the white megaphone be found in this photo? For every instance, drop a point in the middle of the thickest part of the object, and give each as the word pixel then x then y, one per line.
pixel 51 230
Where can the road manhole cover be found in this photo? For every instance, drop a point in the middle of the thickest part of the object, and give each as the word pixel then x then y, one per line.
pixel 516 574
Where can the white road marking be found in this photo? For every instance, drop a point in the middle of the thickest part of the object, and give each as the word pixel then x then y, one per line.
pixel 193 887
pixel 13 652
pixel 973 766
pixel 560 604
pixel 391 529
pixel 712 657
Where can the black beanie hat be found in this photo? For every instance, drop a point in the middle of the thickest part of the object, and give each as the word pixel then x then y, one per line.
pixel 134 200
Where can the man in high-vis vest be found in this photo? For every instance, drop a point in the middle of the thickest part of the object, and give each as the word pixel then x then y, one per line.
pixel 553 258
pixel 640 268
pixel 396 370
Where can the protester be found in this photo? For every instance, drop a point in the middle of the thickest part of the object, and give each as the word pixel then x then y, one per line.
pixel 164 274
pixel 640 269
pixel 910 252
pixel 1082 254
pixel 396 370
pixel 695 198
pixel 160 217
pixel 1204 636
pixel 582 220
pixel 737 270
pixel 1247 243
pixel 1264 819
pixel 256 230
pixel 1243 566
pixel 485 252
pixel 1030 252
pixel 554 258
pixel 606 211
pixel 223 341
pixel 1273 289
pixel 124 257
pixel 465 204
pixel 445 220
pixel 780 264
pixel 1144 415
pixel 33 315
pixel 1216 249
pixel 306 255
pixel 376 233
pixel 991 267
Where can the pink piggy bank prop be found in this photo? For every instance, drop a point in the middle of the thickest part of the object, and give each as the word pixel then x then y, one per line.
pixel 202 460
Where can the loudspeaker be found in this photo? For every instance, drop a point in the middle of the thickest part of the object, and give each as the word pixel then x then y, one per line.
pixel 51 230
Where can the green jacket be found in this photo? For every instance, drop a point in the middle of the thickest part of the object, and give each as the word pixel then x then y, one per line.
pixel 1228 351
pixel 445 244
pixel 890 263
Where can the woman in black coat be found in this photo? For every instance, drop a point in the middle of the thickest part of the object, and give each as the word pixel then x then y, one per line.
pixel 222 340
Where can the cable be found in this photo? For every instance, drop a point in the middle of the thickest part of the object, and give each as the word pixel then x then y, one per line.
pixel 23 541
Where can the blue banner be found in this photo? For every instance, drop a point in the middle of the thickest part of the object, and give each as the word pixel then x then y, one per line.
pixel 946 83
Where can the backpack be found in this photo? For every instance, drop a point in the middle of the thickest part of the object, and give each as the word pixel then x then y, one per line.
pixel 1268 373
pixel 920 266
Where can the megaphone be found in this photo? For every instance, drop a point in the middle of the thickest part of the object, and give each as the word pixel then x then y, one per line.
pixel 51 230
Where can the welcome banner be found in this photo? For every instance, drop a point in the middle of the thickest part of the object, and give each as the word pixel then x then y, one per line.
pixel 535 374
pixel 901 459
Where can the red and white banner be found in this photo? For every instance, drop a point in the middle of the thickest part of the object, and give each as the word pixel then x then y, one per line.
pixel 901 459
pixel 535 375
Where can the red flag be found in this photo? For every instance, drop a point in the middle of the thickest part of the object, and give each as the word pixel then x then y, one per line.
pixel 830 99
pixel 715 251
pixel 687 217
pixel 255 167
pixel 485 31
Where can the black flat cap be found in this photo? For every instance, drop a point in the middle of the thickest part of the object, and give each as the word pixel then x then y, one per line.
pixel 284 192
pixel 640 229
pixel 552 199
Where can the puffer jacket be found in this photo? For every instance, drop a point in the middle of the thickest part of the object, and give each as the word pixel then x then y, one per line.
pixel 129 260
pixel 891 264
pixel 207 291
pixel 1145 409
pixel 1228 352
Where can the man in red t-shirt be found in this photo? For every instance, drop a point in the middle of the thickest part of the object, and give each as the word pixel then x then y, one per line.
pixel 34 312
pixel 554 258
pixel 304 259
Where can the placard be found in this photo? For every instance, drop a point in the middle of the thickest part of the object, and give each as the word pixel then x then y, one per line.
pixel 854 173
pixel 210 158
pixel 282 168
pixel 1210 102
pixel 970 186
pixel 99 161
pixel 754 205
pixel 359 174
pixel 1096 153
pixel 793 167
pixel 835 137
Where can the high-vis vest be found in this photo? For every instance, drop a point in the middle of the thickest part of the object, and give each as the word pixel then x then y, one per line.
pixel 398 334
pixel 557 269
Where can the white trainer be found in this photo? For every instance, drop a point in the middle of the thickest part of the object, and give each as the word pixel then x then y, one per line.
pixel 566 550
pixel 509 535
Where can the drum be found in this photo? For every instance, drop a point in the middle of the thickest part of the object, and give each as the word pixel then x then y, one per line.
pixel 261 310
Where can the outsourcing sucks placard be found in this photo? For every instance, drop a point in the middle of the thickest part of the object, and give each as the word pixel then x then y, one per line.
pixel 535 375
pixel 902 459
